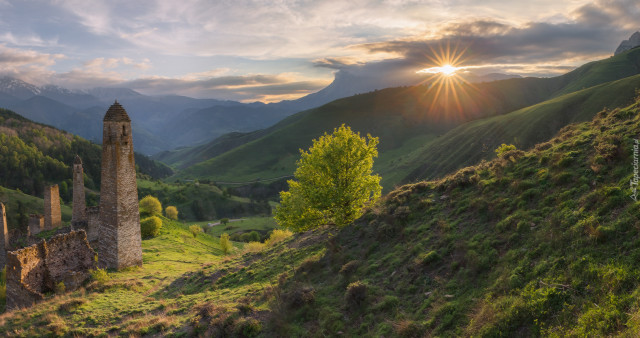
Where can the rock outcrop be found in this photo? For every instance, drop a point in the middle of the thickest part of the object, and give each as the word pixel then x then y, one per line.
pixel 633 42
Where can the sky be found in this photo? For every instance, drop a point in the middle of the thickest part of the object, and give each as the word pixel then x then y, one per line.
pixel 284 49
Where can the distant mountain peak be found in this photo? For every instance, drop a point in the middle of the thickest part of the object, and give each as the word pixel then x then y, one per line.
pixel 625 45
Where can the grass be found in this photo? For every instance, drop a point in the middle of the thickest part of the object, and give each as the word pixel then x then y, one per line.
pixel 181 275
pixel 536 243
pixel 32 205
pixel 248 224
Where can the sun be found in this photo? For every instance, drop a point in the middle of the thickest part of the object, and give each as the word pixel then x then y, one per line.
pixel 446 70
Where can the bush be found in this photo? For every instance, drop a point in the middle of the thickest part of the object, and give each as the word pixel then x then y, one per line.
pixel 356 294
pixel 100 276
pixel 60 288
pixel 278 236
pixel 195 230
pixel 225 243
pixel 503 149
pixel 150 227
pixel 253 247
pixel 224 221
pixel 150 206
pixel 171 212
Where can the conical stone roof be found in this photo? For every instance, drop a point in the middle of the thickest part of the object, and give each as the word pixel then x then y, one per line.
pixel 77 160
pixel 116 113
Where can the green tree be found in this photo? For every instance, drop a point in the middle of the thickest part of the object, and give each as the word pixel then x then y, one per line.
pixel 225 243
pixel 224 221
pixel 171 212
pixel 150 206
pixel 333 182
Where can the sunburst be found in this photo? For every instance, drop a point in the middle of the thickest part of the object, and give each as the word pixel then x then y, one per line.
pixel 446 88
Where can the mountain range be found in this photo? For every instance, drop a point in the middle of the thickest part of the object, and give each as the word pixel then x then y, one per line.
pixel 423 135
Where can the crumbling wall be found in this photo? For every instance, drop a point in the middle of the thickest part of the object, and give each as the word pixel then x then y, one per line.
pixel 37 269
pixel 69 259
pixel 36 224
pixel 93 223
pixel 52 214
pixel 26 274
pixel 4 237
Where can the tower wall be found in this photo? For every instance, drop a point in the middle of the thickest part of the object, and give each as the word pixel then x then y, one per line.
pixel 79 217
pixel 52 215
pixel 36 224
pixel 119 239
pixel 4 241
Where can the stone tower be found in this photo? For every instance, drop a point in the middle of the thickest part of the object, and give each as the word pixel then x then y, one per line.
pixel 52 215
pixel 4 241
pixel 119 242
pixel 79 216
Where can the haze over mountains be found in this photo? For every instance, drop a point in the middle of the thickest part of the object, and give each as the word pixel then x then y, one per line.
pixel 189 121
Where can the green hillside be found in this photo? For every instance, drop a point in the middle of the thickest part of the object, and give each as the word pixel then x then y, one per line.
pixel 474 141
pixel 536 243
pixel 407 120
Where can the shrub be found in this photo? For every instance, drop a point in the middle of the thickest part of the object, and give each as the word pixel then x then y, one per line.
pixel 349 267
pixel 225 243
pixel 503 149
pixel 60 288
pixel 150 227
pixel 253 247
pixel 224 221
pixel 278 236
pixel 150 206
pixel 100 276
pixel 356 294
pixel 171 212
pixel 195 230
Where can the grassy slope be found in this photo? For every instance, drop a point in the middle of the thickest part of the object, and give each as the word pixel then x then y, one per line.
pixel 402 118
pixel 543 242
pixel 538 243
pixel 185 287
pixel 476 140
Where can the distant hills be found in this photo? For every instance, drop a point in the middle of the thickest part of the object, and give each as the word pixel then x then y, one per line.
pixel 420 139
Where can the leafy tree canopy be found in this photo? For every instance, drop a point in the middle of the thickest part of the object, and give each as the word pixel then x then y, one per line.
pixel 333 182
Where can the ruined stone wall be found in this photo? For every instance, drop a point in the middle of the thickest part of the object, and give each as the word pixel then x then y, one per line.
pixel 36 224
pixel 78 218
pixel 69 259
pixel 93 223
pixel 37 269
pixel 26 274
pixel 52 215
pixel 119 238
pixel 4 241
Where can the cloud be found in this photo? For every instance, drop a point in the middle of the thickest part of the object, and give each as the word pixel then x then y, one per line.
pixel 264 87
pixel 29 65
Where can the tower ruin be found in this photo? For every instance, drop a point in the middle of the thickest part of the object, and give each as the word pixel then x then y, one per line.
pixel 4 241
pixel 79 216
pixel 52 215
pixel 119 242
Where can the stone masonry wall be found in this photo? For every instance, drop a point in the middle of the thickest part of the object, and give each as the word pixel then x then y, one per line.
pixel 37 269
pixel 119 238
pixel 26 273
pixel 78 218
pixel 4 239
pixel 52 215
pixel 93 223
pixel 36 224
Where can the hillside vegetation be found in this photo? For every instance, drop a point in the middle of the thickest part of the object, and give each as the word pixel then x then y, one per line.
pixel 542 242
pixel 410 120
